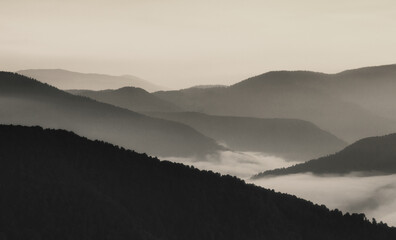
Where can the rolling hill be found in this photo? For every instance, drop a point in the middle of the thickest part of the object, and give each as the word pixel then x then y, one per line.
pixel 28 102
pixel 315 97
pixel 369 156
pixel 65 80
pixel 57 185
pixel 290 139
pixel 135 99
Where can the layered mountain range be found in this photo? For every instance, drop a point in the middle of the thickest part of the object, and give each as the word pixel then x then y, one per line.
pixel 64 79
pixel 28 102
pixel 351 104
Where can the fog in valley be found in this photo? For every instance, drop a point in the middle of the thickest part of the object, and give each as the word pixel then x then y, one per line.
pixel 355 193
pixel 240 164
pixel 372 195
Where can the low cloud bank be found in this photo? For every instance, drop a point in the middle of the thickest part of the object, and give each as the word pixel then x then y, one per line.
pixel 240 164
pixel 374 195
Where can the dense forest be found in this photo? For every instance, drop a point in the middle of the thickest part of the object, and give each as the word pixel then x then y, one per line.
pixel 57 185
pixel 370 156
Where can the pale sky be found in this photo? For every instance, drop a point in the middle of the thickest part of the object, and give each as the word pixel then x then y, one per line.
pixel 180 43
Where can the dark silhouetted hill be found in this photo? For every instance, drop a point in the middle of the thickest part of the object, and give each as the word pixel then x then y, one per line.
pixel 288 138
pixel 56 185
pixel 370 156
pixel 29 102
pixel 135 99
pixel 334 102
pixel 64 79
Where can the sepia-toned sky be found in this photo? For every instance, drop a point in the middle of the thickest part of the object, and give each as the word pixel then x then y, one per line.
pixel 179 43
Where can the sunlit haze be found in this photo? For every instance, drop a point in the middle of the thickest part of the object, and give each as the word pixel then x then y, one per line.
pixel 183 43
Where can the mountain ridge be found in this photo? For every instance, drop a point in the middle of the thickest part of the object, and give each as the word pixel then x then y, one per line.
pixel 66 80
pixel 134 99
pixel 315 97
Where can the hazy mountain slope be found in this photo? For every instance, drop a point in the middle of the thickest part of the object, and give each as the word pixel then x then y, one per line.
pixel 56 185
pixel 135 99
pixel 29 102
pixel 209 86
pixel 288 138
pixel 371 87
pixel 144 84
pixel 300 95
pixel 374 155
pixel 64 79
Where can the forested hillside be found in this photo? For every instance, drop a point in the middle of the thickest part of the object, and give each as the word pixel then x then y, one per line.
pixel 57 185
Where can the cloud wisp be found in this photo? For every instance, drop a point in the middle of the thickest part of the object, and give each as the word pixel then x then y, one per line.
pixel 240 164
